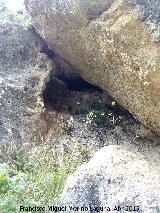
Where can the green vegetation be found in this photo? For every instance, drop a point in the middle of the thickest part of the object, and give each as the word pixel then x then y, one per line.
pixel 14 17
pixel 12 189
pixel 69 127
pixel 34 178
pixel 97 114
pixel 19 18
pixel 137 137
pixel 85 153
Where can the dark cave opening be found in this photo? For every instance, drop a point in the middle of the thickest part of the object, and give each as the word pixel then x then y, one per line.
pixel 75 82
pixel 62 81
pixel 58 94
pixel 79 84
pixel 45 49
pixel 58 91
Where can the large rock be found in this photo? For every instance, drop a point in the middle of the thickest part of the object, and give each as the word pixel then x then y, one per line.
pixel 114 177
pixel 23 72
pixel 114 44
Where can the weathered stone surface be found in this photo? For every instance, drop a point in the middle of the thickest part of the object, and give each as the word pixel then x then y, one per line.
pixel 114 177
pixel 22 79
pixel 114 43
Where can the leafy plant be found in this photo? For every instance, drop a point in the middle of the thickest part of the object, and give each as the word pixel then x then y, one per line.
pixel 14 17
pixel 12 189
pixel 31 179
pixel 85 153
pixel 19 18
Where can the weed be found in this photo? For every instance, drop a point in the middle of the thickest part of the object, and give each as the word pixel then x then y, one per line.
pixel 98 114
pixel 14 17
pixel 30 179
pixel 81 111
pixel 98 105
pixel 69 127
pixel 85 153
pixel 12 189
pixel 137 138
pixel 28 25
pixel 19 18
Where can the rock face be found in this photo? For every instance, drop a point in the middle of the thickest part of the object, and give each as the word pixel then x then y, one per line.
pixel 22 78
pixel 114 44
pixel 114 177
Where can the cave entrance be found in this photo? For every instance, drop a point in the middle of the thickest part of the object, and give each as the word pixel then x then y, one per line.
pixel 60 90
pixel 63 82
pixel 77 83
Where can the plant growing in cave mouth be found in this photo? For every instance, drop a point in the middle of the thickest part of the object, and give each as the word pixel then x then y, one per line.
pixel 69 126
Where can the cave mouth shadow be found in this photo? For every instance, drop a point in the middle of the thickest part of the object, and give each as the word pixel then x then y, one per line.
pixel 64 81
pixel 79 84
pixel 57 94
pixel 59 91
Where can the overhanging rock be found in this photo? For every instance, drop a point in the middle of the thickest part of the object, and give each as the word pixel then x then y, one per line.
pixel 114 43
